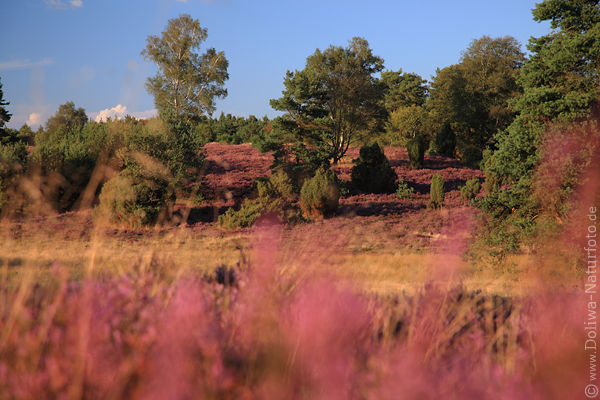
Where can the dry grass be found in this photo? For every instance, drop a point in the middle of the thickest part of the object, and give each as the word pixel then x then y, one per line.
pixel 383 256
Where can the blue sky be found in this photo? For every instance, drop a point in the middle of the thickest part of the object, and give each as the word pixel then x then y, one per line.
pixel 88 51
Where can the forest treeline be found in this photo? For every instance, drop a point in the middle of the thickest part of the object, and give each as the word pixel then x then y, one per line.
pixel 497 109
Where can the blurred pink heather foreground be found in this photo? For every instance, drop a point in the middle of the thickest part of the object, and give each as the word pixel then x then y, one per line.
pixel 261 333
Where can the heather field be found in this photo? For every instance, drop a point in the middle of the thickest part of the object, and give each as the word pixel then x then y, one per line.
pixel 385 300
pixel 231 200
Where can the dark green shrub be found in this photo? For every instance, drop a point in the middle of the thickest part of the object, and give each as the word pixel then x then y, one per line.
pixel 470 190
pixel 416 152
pixel 471 156
pixel 202 132
pixel 246 216
pixel 445 141
pixel 13 162
pixel 320 195
pixel 436 192
pixel 275 196
pixel 372 172
pixel 136 196
pixel 404 191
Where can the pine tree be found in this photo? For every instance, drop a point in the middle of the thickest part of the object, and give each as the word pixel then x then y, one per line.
pixel 4 114
pixel 560 83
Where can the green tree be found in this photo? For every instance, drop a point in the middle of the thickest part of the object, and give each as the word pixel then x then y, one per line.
pixel 68 117
pixel 406 123
pixel 560 82
pixel 4 114
pixel 187 82
pixel 474 94
pixel 333 102
pixel 403 89
pixel 445 141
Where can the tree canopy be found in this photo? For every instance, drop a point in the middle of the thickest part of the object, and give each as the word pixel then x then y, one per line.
pixel 560 83
pixel 67 116
pixel 334 100
pixel 403 89
pixel 474 94
pixel 187 82
pixel 408 122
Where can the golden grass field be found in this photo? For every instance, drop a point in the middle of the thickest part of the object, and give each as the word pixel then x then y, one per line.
pixel 382 257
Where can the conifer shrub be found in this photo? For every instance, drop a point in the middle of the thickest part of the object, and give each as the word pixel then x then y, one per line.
pixel 416 152
pixel 372 172
pixel 445 141
pixel 279 185
pixel 246 216
pixel 469 191
pixel 471 156
pixel 403 191
pixel 275 196
pixel 319 196
pixel 436 192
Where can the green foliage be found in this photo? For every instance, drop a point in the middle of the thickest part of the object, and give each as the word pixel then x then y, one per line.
pixel 12 136
pixel 332 103
pixel 13 159
pixel 173 144
pixel 268 140
pixel 560 82
pixel 67 117
pixel 276 196
pixel 246 216
pixel 187 82
pixel 471 156
pixel 278 186
pixel 136 196
pixel 404 191
pixel 445 141
pixel 4 114
pixel 474 94
pixel 13 163
pixel 235 130
pixel 403 90
pixel 372 172
pixel 67 155
pixel 320 195
pixel 406 123
pixel 202 132
pixel 416 152
pixel 470 190
pixel 436 192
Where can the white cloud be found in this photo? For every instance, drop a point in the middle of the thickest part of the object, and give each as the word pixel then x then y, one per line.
pixel 60 5
pixel 32 115
pixel 120 111
pixel 34 119
pixel 23 64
